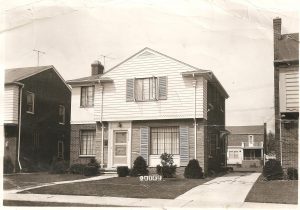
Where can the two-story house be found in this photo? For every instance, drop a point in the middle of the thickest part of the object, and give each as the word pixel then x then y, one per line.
pixel 286 86
pixel 246 145
pixel 37 104
pixel 147 105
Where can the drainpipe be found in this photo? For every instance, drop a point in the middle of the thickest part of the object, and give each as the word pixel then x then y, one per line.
pixel 102 129
pixel 280 141
pixel 20 121
pixel 195 112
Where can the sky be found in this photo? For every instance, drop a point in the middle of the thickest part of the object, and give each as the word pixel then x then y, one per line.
pixel 233 38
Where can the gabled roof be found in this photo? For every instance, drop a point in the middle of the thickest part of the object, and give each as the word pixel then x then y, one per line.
pixel 288 46
pixel 15 75
pixel 246 130
pixel 97 78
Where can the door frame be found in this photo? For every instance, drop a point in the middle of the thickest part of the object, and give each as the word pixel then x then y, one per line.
pixel 112 127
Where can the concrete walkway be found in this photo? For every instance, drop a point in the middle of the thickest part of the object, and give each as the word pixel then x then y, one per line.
pixel 228 191
pixel 62 182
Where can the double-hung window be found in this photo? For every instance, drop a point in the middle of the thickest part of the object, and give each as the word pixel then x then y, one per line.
pixel 146 89
pixel 165 140
pixel 61 114
pixel 87 142
pixel 30 103
pixel 87 96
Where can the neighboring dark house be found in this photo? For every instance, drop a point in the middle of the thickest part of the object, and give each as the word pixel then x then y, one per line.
pixel 286 85
pixel 42 125
pixel 246 145
pixel 147 105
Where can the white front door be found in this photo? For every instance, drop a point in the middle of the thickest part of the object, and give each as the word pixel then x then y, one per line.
pixel 120 155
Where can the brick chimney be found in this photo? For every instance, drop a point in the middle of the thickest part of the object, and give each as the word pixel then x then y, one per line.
pixel 277 35
pixel 97 68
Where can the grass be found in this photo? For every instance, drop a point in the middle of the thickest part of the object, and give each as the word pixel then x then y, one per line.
pixel 49 204
pixel 15 181
pixel 130 187
pixel 275 191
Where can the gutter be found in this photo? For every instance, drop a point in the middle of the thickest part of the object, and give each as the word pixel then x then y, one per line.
pixel 102 126
pixel 20 121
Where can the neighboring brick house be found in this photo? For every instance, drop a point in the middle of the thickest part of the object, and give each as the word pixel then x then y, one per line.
pixel 286 85
pixel 146 105
pixel 246 145
pixel 37 104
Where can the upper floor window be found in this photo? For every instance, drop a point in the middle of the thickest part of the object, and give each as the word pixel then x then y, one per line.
pixel 251 139
pixel 61 114
pixel 87 96
pixel 30 103
pixel 146 89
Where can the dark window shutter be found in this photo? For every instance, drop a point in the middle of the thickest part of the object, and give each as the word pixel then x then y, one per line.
pixel 145 143
pixel 130 90
pixel 184 145
pixel 162 88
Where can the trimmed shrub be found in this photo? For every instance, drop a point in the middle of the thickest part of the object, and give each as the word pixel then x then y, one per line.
pixel 122 171
pixel 273 170
pixel 90 171
pixel 193 170
pixel 92 168
pixel 8 166
pixel 77 168
pixel 94 162
pixel 58 166
pixel 292 173
pixel 139 167
pixel 167 169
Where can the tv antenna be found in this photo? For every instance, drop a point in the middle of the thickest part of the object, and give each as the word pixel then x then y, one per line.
pixel 104 57
pixel 38 52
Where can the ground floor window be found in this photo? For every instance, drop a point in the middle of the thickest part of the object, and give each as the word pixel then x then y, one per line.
pixel 252 154
pixel 233 154
pixel 165 139
pixel 87 138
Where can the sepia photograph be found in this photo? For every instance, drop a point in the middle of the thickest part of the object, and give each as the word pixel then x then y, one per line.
pixel 149 104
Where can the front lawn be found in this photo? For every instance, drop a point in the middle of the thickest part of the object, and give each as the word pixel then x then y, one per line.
pixel 130 187
pixel 15 181
pixel 276 191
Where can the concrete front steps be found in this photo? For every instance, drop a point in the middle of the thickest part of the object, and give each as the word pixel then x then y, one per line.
pixel 108 170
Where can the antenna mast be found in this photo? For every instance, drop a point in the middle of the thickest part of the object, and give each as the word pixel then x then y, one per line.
pixel 38 52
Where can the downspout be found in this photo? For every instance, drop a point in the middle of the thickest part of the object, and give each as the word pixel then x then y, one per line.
pixel 20 121
pixel 280 141
pixel 195 112
pixel 102 129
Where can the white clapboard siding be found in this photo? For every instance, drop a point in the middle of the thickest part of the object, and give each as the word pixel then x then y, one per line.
pixel 289 90
pixel 80 115
pixel 179 101
pixel 11 104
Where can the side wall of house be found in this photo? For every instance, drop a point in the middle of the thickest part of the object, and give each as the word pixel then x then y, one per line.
pixel 215 124
pixel 42 131
pixel 290 143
